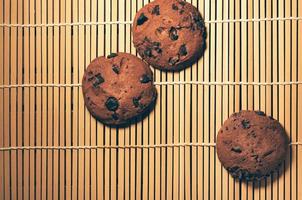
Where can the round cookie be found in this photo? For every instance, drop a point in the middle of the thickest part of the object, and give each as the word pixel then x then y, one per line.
pixel 118 88
pixel 251 145
pixel 169 34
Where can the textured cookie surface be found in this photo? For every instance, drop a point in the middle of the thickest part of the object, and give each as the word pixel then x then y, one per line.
pixel 169 34
pixel 251 145
pixel 118 88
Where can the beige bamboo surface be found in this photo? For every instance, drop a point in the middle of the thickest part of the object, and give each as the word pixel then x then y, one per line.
pixel 51 147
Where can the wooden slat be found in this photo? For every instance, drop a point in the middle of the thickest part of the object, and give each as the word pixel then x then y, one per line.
pixel 26 138
pixel 32 101
pixel 219 95
pixel 206 115
pixel 75 101
pixel 299 136
pixel 13 110
pixel 299 110
pixel 6 109
pixel 56 100
pixel 20 100
pixel 62 99
pixel 68 80
pixel 82 130
pixel 1 100
pixel 38 116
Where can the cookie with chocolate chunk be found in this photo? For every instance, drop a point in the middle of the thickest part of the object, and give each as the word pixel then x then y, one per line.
pixel 118 88
pixel 169 34
pixel 251 145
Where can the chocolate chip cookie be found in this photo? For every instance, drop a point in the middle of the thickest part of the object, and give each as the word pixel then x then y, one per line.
pixel 169 34
pixel 251 145
pixel 118 88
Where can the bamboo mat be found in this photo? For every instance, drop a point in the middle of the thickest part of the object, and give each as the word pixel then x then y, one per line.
pixel 51 147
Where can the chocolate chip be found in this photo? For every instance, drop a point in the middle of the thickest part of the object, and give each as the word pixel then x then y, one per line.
pixel 156 44
pixel 112 55
pixel 198 21
pixel 236 149
pixel 181 11
pixel 260 113
pixel 145 78
pixel 183 50
pixel 136 101
pixel 182 3
pixel 245 123
pixel 158 50
pixel 155 10
pixel 173 60
pixel 148 52
pixel 173 34
pixel 141 19
pixel 98 80
pixel 116 69
pixel 174 7
pixel 115 116
pixel 112 104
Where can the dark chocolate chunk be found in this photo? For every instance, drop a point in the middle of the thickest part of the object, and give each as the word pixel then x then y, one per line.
pixel 236 149
pixel 198 21
pixel 112 55
pixel 260 113
pixel 173 34
pixel 112 104
pixel 156 44
pixel 158 50
pixel 136 101
pixel 181 11
pixel 173 60
pixel 98 80
pixel 155 10
pixel 183 50
pixel 145 78
pixel 116 69
pixel 148 52
pixel 141 19
pixel 174 7
pixel 182 3
pixel 115 116
pixel 245 124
